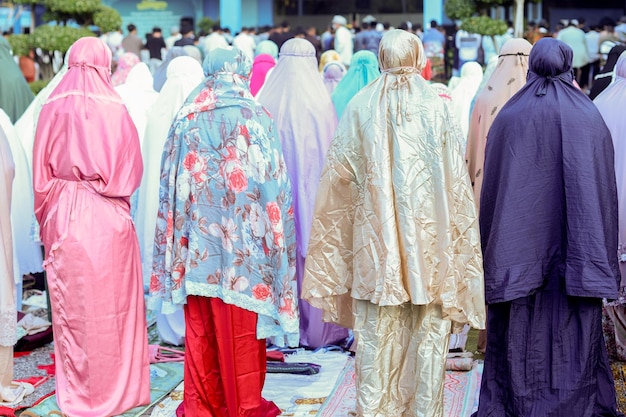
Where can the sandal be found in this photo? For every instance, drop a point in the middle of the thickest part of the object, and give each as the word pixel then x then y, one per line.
pixel 161 354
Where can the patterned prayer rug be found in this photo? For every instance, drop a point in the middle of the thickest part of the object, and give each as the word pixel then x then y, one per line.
pixel 461 392
pixel 619 375
pixel 164 377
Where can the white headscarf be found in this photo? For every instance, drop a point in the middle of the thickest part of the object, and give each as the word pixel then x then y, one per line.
pixel 138 95
pixel 183 75
pixel 463 94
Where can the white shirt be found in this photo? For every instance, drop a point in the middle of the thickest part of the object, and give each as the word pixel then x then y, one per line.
pixel 246 43
pixel 213 41
pixel 344 44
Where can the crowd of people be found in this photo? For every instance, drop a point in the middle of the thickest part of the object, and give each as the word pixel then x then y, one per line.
pixel 292 190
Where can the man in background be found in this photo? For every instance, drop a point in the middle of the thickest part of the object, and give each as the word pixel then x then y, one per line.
pixel 132 43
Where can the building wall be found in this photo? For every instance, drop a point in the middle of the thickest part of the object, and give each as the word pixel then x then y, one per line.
pixel 145 14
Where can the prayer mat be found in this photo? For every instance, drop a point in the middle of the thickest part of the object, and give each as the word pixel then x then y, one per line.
pixel 36 368
pixel 462 390
pixel 167 407
pixel 619 375
pixel 461 393
pixel 304 395
pixel 164 377
pixel 342 399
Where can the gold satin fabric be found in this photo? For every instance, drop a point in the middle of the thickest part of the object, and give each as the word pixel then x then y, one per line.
pixel 395 248
pixel 400 359
pixel 394 218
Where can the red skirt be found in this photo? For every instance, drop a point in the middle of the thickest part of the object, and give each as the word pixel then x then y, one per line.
pixel 225 363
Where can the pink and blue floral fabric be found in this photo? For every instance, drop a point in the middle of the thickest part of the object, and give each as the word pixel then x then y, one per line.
pixel 225 226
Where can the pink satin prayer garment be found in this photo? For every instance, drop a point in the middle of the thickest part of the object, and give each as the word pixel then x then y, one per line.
pixel 86 164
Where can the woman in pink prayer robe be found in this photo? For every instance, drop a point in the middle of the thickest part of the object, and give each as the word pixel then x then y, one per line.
pixel 86 164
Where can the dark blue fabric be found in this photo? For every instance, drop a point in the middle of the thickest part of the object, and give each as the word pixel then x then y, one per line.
pixel 549 199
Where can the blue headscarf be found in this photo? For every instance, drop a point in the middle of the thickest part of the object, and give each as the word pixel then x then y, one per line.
pixel 363 70
pixel 267 47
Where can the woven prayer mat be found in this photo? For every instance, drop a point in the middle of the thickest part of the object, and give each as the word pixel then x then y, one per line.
pixel 164 377
pixel 36 368
pixel 619 375
pixel 461 393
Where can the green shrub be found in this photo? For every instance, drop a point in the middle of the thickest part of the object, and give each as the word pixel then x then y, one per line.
pixel 20 44
pixel 459 9
pixel 37 86
pixel 107 19
pixel 484 25
pixel 57 38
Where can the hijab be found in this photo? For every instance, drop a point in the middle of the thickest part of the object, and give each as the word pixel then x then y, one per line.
pixel 508 77
pixel 138 95
pixel 328 56
pixel 194 52
pixel 83 129
pixel 160 75
pixel 267 47
pixel 305 121
pixel 463 93
pixel 548 208
pixel 611 103
pixel 126 62
pixel 15 94
pixel 184 74
pixel 332 74
pixel 363 70
pixel 222 165
pixel 607 74
pixel 262 65
pixel 394 196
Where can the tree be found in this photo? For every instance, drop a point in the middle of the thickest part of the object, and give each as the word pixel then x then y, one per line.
pixel 464 9
pixel 50 40
pixel 474 19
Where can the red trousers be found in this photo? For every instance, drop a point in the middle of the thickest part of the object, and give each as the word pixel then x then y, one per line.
pixel 225 364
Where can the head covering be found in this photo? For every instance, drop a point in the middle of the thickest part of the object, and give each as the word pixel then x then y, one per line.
pixel 224 192
pixel 491 67
pixel 15 94
pixel 507 78
pixel 184 74
pixel 395 188
pixel 550 145
pixel 305 119
pixel 463 93
pixel 363 70
pixel 138 95
pixel 606 75
pixel 611 103
pixel 332 73
pixel 340 20
pixel 126 62
pixel 86 164
pixel 160 75
pixel 85 102
pixel 267 47
pixel 306 122
pixel 194 52
pixel 328 56
pixel 262 65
